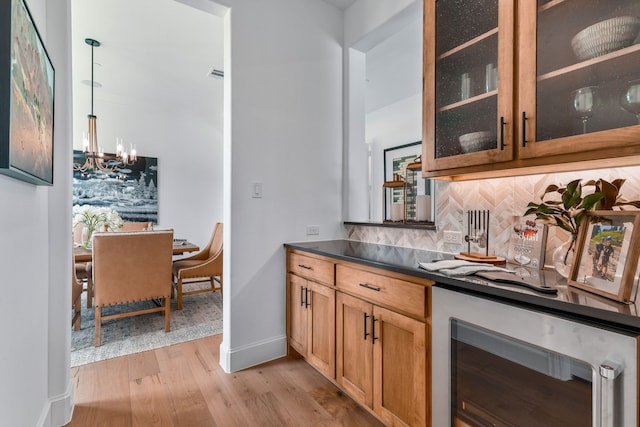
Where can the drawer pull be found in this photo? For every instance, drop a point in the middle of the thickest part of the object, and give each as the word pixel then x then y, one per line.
pixel 373 288
pixel 306 298
pixel 306 267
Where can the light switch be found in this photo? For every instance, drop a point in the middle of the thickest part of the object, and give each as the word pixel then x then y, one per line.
pixel 256 190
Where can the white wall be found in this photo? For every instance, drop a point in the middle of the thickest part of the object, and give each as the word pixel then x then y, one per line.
pixel 286 132
pixel 373 115
pixel 35 259
pixel 156 93
pixel 393 125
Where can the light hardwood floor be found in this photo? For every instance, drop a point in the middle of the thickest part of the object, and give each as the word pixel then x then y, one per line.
pixel 183 385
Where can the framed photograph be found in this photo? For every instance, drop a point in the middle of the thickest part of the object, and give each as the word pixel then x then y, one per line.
pixel 420 191
pixel 607 252
pixel 26 97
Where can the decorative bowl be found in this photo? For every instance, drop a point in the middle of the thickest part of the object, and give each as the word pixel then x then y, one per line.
pixel 605 37
pixel 476 141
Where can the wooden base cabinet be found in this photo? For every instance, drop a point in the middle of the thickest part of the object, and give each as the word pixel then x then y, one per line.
pixel 381 352
pixel 354 348
pixel 381 360
pixel 311 312
pixel 399 369
pixel 367 329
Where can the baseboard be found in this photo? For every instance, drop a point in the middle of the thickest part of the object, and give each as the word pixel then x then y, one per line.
pixel 237 359
pixel 58 409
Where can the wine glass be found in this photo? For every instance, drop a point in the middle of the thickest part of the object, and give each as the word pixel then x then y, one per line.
pixel 630 100
pixel 584 102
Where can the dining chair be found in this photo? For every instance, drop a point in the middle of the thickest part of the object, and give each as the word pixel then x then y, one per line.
pixel 130 267
pixel 136 226
pixel 204 266
pixel 76 299
pixel 83 269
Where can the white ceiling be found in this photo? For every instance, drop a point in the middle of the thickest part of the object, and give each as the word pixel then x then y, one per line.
pixel 157 58
pixel 394 66
pixel 179 44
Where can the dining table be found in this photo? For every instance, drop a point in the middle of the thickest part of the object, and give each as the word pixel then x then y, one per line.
pixel 82 254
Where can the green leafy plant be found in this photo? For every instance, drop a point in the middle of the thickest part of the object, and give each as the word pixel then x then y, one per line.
pixel 569 210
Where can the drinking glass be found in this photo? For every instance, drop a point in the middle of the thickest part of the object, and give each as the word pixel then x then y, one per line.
pixel 630 100
pixel 584 102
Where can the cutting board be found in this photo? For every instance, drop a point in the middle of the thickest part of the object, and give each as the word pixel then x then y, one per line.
pixel 479 257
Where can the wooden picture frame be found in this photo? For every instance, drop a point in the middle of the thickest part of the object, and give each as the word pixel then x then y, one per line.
pixel 607 253
pixel 27 80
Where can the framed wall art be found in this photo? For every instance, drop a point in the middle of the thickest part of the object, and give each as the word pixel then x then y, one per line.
pixel 420 192
pixel 26 97
pixel 607 253
pixel 131 190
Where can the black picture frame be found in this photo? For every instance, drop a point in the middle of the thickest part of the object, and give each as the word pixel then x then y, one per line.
pixel 396 160
pixel 27 88
pixel 130 190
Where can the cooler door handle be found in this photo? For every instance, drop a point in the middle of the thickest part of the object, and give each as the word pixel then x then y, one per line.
pixel 609 374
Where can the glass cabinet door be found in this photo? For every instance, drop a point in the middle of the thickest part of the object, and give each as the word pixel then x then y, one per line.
pixel 468 82
pixel 579 76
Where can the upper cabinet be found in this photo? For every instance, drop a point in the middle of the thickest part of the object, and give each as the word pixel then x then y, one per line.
pixel 565 90
pixel 468 82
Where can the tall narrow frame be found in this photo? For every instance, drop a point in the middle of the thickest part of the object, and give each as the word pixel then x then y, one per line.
pixel 27 87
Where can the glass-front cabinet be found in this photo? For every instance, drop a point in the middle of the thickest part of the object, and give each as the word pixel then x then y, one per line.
pixel 468 100
pixel 579 75
pixel 529 83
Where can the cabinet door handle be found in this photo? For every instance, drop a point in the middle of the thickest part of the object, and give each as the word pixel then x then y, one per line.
pixel 502 123
pixel 373 329
pixel 302 296
pixel 373 288
pixel 366 316
pixel 306 298
pixel 524 129
pixel 306 267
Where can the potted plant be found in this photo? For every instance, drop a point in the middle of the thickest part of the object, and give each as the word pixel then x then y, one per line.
pixel 570 209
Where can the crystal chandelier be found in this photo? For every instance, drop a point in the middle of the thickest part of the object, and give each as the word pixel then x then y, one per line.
pixel 94 156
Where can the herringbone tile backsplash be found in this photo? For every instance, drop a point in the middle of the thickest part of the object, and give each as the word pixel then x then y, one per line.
pixel 505 198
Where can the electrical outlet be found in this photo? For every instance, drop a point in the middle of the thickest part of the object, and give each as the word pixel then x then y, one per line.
pixel 454 237
pixel 313 230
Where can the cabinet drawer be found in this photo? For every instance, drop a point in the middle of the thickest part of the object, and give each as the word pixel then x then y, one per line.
pixel 394 293
pixel 311 268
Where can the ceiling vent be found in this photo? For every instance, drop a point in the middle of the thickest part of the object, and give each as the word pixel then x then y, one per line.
pixel 215 73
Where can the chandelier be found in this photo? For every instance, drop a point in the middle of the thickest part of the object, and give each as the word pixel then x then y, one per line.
pixel 95 159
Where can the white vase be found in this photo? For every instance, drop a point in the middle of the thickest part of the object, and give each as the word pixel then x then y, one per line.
pixel 563 256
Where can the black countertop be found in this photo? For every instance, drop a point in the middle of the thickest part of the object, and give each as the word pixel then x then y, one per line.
pixel 569 301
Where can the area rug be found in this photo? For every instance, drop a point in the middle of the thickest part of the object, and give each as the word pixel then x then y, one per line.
pixel 201 316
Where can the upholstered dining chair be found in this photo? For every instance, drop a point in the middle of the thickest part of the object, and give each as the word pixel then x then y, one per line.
pixel 205 266
pixel 83 269
pixel 130 267
pixel 136 226
pixel 76 299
